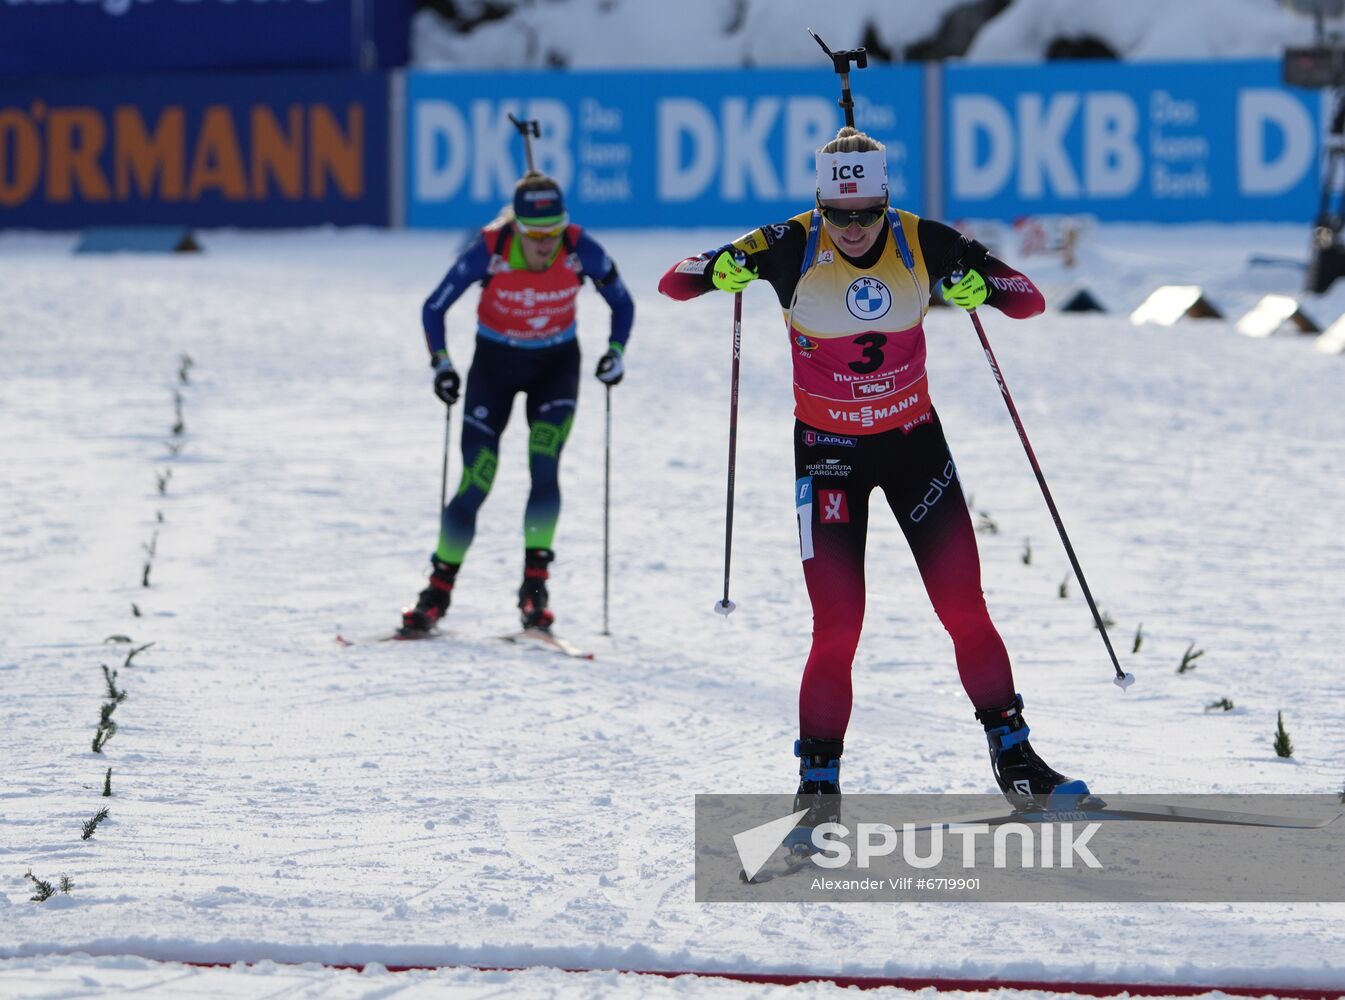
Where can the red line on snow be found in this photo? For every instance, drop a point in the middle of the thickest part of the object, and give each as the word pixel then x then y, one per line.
pixel 1085 987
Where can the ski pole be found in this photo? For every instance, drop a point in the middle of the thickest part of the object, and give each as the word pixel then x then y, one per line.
pixel 606 512
pixel 1122 679
pixel 725 607
pixel 443 475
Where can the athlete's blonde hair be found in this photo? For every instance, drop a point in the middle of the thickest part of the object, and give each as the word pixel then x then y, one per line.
pixel 851 140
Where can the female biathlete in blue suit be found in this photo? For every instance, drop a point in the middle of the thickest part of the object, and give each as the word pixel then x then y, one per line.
pixel 530 264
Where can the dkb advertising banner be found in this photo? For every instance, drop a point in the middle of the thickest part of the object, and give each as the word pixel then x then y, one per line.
pixel 648 149
pixel 203 151
pixel 1168 142
pixel 82 37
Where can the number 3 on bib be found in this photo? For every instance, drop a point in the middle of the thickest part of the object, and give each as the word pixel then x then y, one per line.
pixel 872 343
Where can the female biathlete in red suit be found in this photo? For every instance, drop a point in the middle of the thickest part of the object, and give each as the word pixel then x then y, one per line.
pixel 853 277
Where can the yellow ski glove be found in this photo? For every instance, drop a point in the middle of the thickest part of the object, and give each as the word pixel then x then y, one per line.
pixel 967 293
pixel 730 276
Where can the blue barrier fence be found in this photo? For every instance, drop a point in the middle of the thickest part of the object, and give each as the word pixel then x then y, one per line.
pixel 1222 141
pixel 646 149
pixel 1177 142
pixel 1217 141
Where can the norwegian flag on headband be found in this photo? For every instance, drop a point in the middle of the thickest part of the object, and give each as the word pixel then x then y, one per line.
pixel 852 175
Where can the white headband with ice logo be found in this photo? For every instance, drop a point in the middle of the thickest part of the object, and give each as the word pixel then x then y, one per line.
pixel 852 175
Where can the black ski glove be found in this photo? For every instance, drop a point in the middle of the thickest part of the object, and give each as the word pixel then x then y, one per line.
pixel 446 381
pixel 611 367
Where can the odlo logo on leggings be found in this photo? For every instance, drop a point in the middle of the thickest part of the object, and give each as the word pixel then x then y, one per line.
pixel 834 509
pixel 937 487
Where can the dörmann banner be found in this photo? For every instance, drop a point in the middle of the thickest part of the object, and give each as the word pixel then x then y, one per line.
pixel 973 848
pixel 82 37
pixel 1177 142
pixel 282 150
pixel 648 149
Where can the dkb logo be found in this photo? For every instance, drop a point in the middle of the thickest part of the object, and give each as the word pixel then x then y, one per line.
pixel 868 298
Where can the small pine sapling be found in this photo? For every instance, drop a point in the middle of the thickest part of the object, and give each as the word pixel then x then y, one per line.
pixel 44 888
pixel 103 734
pixel 132 654
pixel 107 784
pixel 1189 658
pixel 184 367
pixel 106 727
pixel 67 883
pixel 179 425
pixel 1063 591
pixel 1106 619
pixel 1027 552
pixel 1139 639
pixel 135 610
pixel 111 677
pixel 987 524
pixel 92 824
pixel 150 548
pixel 1284 746
pixel 1223 704
pixel 163 478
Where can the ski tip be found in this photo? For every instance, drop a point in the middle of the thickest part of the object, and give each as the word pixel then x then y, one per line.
pixel 546 639
pixel 1124 680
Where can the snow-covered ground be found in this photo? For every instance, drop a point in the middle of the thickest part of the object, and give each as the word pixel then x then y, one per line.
pixel 712 33
pixel 278 797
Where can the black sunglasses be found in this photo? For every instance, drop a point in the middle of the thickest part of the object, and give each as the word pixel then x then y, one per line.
pixel 842 217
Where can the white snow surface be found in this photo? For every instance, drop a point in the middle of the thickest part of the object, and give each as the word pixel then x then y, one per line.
pixel 280 799
pixel 712 33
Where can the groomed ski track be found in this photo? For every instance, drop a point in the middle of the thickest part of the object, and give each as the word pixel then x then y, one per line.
pixel 279 799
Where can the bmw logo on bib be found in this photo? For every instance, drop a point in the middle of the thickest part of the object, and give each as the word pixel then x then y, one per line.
pixel 868 298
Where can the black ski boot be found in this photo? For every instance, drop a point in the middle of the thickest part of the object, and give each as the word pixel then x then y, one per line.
pixel 1024 778
pixel 532 596
pixel 432 603
pixel 819 790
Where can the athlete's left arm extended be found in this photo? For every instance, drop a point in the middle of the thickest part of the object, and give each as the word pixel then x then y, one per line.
pixel 602 272
pixel 947 252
